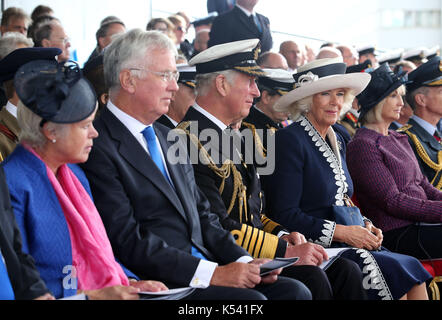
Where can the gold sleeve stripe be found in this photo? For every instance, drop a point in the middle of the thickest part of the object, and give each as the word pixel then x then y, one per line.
pixel 269 225
pixel 258 243
pixel 269 246
pixel 247 238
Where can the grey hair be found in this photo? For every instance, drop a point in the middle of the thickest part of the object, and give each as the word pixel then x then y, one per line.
pixel 374 115
pixel 411 96
pixel 44 31
pixel 31 132
pixel 129 50
pixel 105 26
pixel 10 42
pixel 205 81
pixel 302 106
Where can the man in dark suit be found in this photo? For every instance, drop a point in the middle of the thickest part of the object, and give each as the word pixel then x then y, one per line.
pixel 424 95
pixel 226 89
pixel 19 278
pixel 158 221
pixel 242 23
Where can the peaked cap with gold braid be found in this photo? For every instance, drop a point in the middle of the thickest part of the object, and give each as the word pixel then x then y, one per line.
pixel 427 75
pixel 238 55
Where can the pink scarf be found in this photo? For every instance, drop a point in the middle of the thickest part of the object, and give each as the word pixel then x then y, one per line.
pixel 92 254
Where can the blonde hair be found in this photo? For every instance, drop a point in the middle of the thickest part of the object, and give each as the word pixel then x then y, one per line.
pixel 374 115
pixel 302 106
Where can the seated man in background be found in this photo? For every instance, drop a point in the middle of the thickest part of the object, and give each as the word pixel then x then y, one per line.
pixel 9 127
pixel 15 20
pixel 51 34
pixel 424 95
pixel 182 99
pixel 262 116
pixel 8 43
pixel 109 26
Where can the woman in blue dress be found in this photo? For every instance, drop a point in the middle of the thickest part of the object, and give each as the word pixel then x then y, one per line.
pixel 310 189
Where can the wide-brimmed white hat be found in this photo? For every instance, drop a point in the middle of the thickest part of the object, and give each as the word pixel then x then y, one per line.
pixel 319 76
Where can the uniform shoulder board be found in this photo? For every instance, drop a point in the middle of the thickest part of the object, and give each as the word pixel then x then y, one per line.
pixel 404 128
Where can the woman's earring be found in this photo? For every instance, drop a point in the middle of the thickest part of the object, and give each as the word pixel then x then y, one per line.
pixel 54 141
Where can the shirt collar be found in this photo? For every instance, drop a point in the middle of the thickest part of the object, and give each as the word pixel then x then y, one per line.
pixel 425 125
pixel 12 109
pixel 211 117
pixel 247 12
pixel 171 120
pixel 132 124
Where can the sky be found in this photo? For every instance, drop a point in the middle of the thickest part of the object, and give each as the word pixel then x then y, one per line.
pixel 310 22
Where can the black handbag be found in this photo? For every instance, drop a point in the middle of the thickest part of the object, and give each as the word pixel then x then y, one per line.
pixel 348 215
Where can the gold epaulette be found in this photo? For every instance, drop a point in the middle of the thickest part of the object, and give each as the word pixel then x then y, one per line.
pixel 269 225
pixel 228 168
pixel 404 128
pixel 258 243
pixel 258 142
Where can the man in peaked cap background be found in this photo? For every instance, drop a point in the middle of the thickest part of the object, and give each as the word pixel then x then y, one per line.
pixel 417 55
pixel 182 99
pixel 226 90
pixel 272 86
pixel 368 52
pixel 9 128
pixel 424 95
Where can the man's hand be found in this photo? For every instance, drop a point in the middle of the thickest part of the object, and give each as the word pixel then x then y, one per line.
pixel 272 276
pixel 47 296
pixel 309 254
pixel 236 275
pixel 294 238
pixel 149 286
pixel 114 293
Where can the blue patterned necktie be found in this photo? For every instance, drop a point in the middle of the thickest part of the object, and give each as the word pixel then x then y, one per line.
pixel 6 292
pixel 155 154
pixel 154 151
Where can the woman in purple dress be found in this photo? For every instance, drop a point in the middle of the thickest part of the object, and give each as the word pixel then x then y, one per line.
pixel 388 183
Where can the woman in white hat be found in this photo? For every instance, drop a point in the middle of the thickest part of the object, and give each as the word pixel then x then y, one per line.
pixel 310 189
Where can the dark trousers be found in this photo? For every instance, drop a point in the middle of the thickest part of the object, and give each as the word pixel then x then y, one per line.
pixel 421 242
pixel 283 289
pixel 341 281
